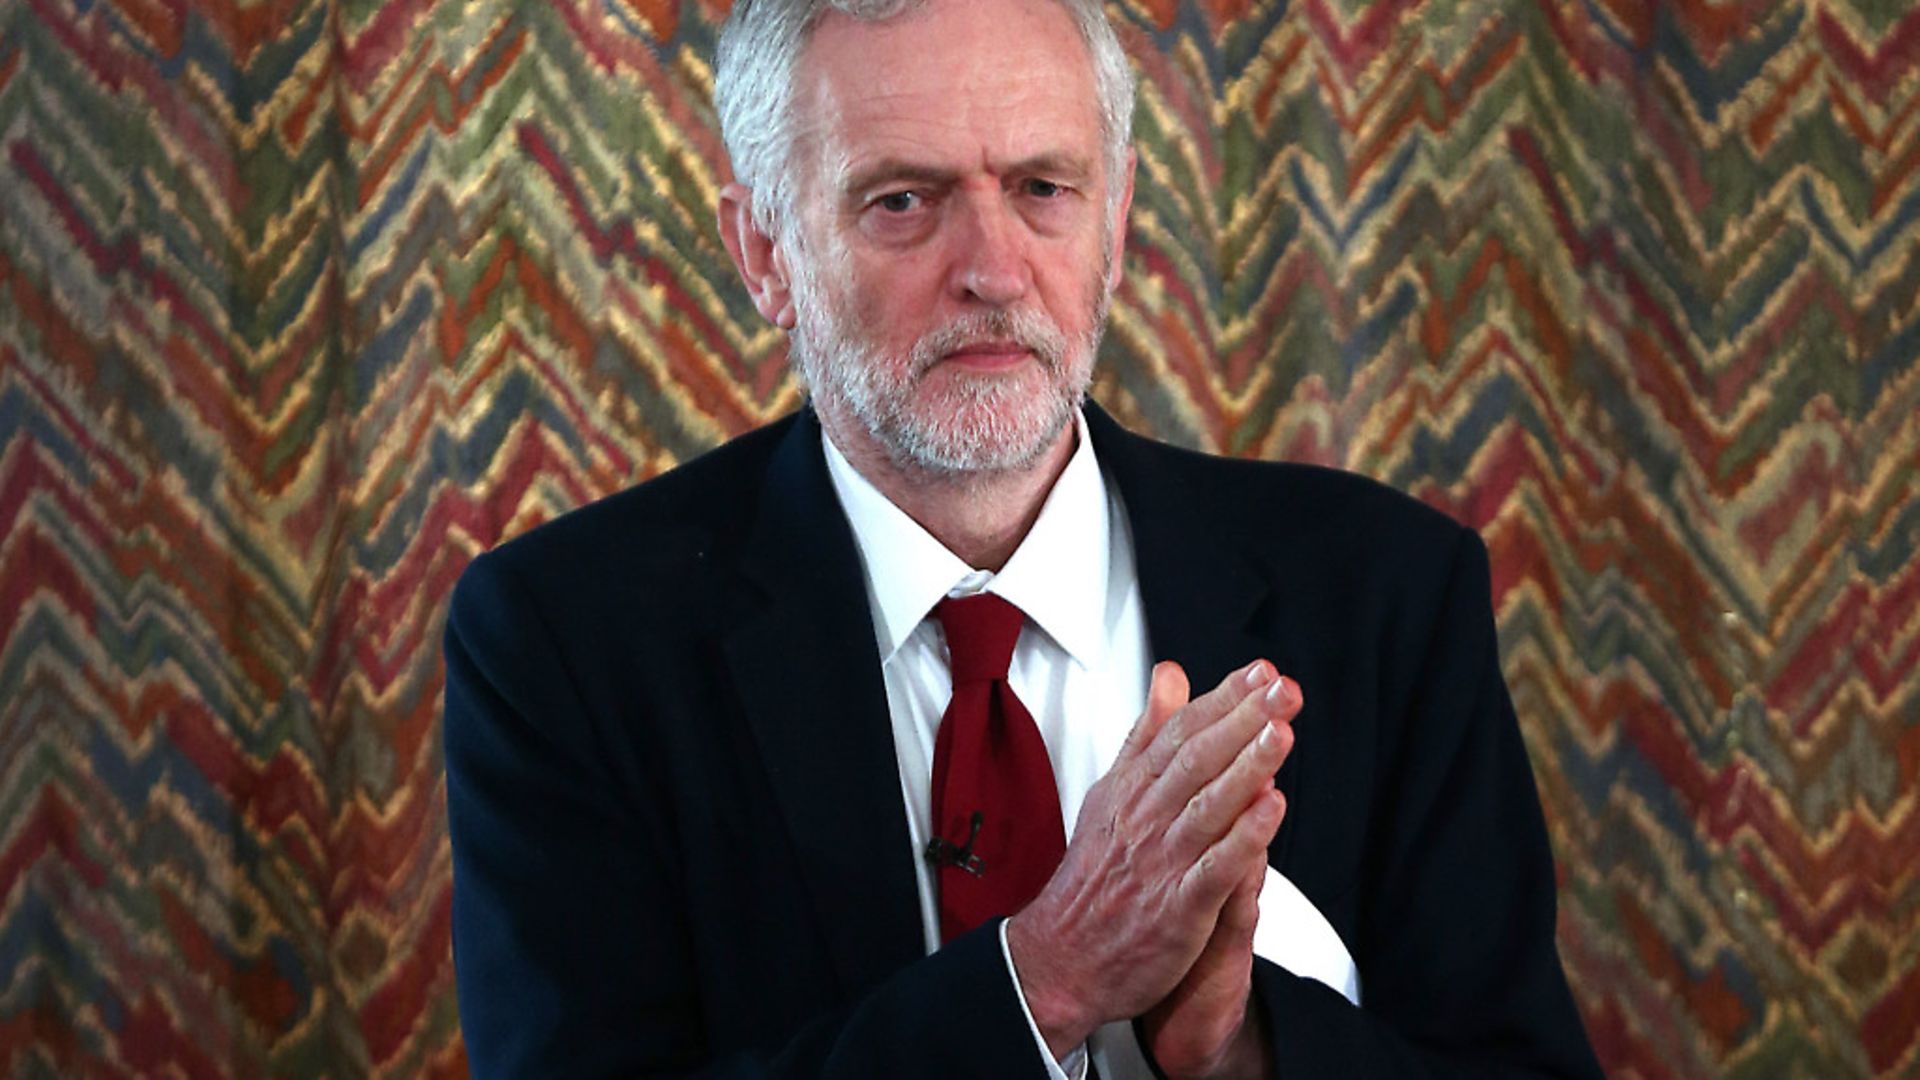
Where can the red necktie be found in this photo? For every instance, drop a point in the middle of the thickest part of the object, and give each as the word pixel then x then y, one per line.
pixel 996 813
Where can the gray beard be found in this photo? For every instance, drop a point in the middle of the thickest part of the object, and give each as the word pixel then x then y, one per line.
pixel 997 425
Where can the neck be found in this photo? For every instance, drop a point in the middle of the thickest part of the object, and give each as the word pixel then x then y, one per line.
pixel 979 516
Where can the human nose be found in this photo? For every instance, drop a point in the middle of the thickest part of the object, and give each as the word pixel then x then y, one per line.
pixel 990 260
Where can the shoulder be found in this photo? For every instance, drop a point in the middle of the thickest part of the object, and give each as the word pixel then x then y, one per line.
pixel 1304 519
pixel 1306 493
pixel 652 532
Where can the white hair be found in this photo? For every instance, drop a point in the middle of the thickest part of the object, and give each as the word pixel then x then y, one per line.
pixel 753 90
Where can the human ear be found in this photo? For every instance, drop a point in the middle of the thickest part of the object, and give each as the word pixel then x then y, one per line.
pixel 1116 262
pixel 762 265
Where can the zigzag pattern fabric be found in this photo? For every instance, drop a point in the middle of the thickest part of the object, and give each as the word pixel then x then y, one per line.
pixel 305 302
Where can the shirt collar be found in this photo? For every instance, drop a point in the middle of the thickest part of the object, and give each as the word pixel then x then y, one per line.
pixel 1057 576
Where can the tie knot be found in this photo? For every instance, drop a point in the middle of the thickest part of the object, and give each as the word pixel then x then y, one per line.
pixel 981 631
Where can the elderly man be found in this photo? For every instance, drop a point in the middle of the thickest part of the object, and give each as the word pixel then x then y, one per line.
pixel 842 751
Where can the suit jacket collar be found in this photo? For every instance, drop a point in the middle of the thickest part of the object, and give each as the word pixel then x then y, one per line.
pixel 1208 606
pixel 1199 593
pixel 808 671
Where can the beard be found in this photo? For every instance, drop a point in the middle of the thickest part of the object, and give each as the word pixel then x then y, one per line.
pixel 968 425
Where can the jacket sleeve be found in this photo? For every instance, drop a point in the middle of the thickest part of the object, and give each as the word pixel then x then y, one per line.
pixel 1459 973
pixel 573 951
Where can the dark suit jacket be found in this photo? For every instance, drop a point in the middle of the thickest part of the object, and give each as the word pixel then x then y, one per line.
pixel 679 841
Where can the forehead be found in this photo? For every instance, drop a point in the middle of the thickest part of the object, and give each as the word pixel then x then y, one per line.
pixel 956 83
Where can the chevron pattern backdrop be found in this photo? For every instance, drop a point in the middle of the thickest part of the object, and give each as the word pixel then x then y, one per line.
pixel 304 302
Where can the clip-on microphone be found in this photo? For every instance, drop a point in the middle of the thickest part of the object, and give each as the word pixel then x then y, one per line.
pixel 943 852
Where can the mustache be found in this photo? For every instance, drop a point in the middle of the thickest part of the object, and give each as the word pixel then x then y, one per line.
pixel 1028 329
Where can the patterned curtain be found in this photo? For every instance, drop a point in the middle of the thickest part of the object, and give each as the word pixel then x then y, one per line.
pixel 305 302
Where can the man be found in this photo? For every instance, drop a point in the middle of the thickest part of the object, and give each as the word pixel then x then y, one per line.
pixel 736 791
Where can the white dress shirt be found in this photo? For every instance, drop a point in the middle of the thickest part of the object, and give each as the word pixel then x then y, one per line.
pixel 1082 654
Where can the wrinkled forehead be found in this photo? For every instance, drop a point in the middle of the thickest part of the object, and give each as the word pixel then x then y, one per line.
pixel 959 83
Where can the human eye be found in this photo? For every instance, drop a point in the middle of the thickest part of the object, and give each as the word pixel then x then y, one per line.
pixel 1042 188
pixel 900 215
pixel 899 202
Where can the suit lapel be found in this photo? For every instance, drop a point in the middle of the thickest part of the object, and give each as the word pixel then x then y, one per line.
pixel 1206 605
pixel 808 673
pixel 1199 594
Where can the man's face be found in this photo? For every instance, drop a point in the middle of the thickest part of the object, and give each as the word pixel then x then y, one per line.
pixel 951 253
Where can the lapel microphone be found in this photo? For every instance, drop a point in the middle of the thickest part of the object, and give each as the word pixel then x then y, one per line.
pixel 943 852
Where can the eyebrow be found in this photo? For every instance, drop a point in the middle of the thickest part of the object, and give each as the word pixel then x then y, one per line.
pixel 893 171
pixel 897 170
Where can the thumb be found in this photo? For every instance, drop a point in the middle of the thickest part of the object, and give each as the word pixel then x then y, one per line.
pixel 1166 694
pixel 1242 910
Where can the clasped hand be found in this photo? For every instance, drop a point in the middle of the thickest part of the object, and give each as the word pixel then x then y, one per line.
pixel 1152 910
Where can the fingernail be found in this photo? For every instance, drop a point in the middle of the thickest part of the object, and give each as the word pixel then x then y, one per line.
pixel 1257 674
pixel 1278 691
pixel 1268 736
